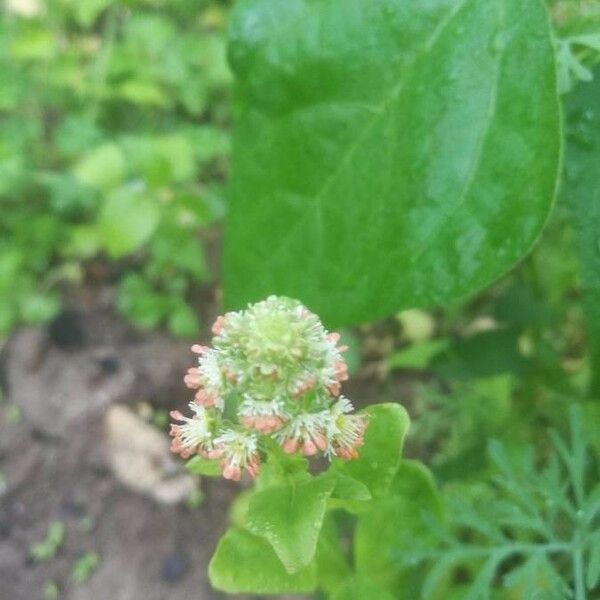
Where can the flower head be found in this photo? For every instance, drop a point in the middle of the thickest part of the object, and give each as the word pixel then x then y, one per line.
pixel 272 369
pixel 275 348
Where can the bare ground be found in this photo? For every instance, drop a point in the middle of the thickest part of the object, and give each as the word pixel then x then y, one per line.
pixel 58 383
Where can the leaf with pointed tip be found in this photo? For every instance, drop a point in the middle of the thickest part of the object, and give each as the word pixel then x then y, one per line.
pixel 387 154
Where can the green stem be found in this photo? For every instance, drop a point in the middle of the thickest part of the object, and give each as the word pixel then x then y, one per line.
pixel 580 593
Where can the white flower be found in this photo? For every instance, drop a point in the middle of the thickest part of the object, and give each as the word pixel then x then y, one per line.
pixel 306 433
pixel 264 416
pixel 273 369
pixel 346 430
pixel 238 451
pixel 193 434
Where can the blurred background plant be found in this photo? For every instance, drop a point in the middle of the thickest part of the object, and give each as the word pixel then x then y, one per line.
pixel 114 144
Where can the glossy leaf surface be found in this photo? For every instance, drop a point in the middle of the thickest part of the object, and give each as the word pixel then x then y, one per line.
pixel 245 563
pixel 387 154
pixel 380 455
pixel 290 517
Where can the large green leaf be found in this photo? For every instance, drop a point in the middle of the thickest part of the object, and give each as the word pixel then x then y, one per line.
pixel 387 154
pixel 290 517
pixel 244 563
pixel 582 188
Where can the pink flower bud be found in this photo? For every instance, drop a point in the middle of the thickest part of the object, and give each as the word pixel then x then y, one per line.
pixel 231 472
pixel 290 445
pixel 219 325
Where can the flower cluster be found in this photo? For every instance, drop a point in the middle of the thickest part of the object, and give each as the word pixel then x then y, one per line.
pixel 272 370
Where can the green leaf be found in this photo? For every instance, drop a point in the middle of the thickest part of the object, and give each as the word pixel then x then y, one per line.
pixel 417 356
pixel 103 168
pixel 39 307
pixel 179 153
pixel 483 354
pixel 360 587
pixel 87 12
pixel 203 466
pixel 140 303
pixel 332 566
pixel 593 569
pixel 290 517
pixel 582 189
pixel 348 488
pixel 387 154
pixel 127 220
pixel 35 42
pixel 280 467
pixel 183 321
pixel 47 549
pixel 244 563
pixel 395 524
pixel 380 455
pixel 142 92
pixel 82 242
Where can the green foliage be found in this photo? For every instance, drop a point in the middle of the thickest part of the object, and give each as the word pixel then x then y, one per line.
pixel 392 201
pixel 387 155
pixel 286 538
pixel 357 588
pixel 51 590
pixel 453 425
pixel 203 466
pixel 577 28
pixel 245 563
pixel 84 566
pixel 582 190
pixel 114 145
pixel 47 548
pixel 380 457
pixel 290 517
pixel 394 524
pixel 515 533
pixel 332 564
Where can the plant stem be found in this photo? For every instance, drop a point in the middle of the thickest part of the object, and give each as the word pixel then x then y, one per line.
pixel 580 593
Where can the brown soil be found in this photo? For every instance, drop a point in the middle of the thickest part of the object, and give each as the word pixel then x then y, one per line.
pixel 58 383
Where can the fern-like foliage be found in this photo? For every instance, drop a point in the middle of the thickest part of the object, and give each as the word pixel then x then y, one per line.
pixel 576 56
pixel 533 530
